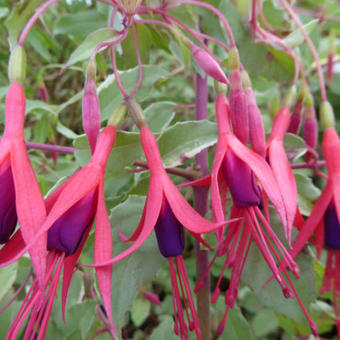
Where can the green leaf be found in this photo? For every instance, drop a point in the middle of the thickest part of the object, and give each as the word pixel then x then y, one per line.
pixel 84 50
pixel 185 140
pixel 296 38
pixel 264 323
pixel 129 51
pixel 7 278
pixel 307 193
pixel 65 131
pixel 79 25
pixel 110 96
pixel 164 330
pixel 237 327
pixel 159 115
pixel 21 12
pixel 140 311
pixel 41 129
pixel 141 266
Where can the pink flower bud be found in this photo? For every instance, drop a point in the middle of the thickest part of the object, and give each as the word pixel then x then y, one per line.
pixel 43 93
pixel 295 119
pixel 153 298
pixel 208 64
pixel 310 134
pixel 91 112
pixel 238 107
pixel 256 129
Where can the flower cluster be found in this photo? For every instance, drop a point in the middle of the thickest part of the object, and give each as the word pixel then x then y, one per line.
pixel 251 180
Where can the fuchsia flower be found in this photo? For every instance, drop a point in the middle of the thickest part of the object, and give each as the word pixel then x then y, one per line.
pixel 167 212
pixel 20 194
pixel 330 196
pixel 71 209
pixel 234 168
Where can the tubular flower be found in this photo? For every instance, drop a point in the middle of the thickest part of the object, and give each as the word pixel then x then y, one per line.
pixel 167 212
pixel 20 194
pixel 71 209
pixel 250 224
pixel 329 196
pixel 282 171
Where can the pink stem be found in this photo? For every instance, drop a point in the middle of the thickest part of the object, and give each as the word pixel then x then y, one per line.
pixel 212 9
pixel 139 62
pixel 311 47
pixel 197 35
pixel 51 148
pixel 114 66
pixel 109 43
pixel 36 16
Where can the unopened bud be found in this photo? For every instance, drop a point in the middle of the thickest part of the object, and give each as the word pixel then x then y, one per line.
pixel 17 65
pixel 208 64
pixel 136 112
pixel 90 107
pixel 238 107
pixel 118 116
pixel 326 115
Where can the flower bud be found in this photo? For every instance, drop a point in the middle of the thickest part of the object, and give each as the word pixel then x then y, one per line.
pixel 295 119
pixel 208 64
pixel 238 107
pixel 90 106
pixel 17 65
pixel 256 129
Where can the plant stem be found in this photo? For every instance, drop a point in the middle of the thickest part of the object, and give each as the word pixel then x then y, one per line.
pixel 311 46
pixel 190 175
pixel 51 148
pixel 201 206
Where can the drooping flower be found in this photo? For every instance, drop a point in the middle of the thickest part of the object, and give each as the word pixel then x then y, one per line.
pixel 20 194
pixel 71 209
pixel 234 168
pixel 167 212
pixel 331 192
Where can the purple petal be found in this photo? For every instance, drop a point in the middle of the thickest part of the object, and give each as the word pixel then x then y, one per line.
pixel 169 232
pixel 67 233
pixel 332 228
pixel 241 181
pixel 8 215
